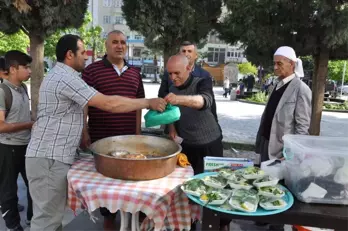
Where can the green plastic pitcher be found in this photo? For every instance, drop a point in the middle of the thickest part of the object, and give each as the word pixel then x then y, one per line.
pixel 168 116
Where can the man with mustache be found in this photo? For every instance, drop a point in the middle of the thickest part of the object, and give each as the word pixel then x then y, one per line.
pixel 112 76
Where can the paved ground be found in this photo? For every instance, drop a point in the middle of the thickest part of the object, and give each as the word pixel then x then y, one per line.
pixel 239 122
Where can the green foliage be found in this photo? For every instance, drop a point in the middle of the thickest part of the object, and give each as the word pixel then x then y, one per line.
pixel 18 41
pixel 259 97
pixel 307 26
pixel 336 70
pixel 44 18
pixel 92 37
pixel 262 98
pixel 50 44
pixel 246 68
pixel 336 106
pixel 166 24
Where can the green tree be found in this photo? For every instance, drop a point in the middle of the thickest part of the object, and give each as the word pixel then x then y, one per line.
pixel 318 28
pixel 246 68
pixel 39 19
pixel 50 44
pixel 336 70
pixel 166 24
pixel 91 35
pixel 18 41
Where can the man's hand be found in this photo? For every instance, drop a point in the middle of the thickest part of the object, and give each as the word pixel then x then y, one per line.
pixel 171 98
pixel 85 140
pixel 157 104
pixel 30 124
pixel 172 131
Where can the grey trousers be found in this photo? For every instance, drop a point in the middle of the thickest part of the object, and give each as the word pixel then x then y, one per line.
pixel 48 189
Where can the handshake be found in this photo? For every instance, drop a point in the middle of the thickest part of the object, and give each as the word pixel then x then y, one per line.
pixel 159 104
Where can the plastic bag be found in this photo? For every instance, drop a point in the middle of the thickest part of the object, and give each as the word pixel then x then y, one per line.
pixel 168 116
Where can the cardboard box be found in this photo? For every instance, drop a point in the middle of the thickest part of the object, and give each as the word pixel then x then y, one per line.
pixel 213 164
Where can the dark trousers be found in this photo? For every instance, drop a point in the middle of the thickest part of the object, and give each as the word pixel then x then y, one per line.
pixel 12 162
pixel 227 91
pixel 196 153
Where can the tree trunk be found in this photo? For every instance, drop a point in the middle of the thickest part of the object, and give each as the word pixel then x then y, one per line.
pixel 167 52
pixel 37 68
pixel 94 50
pixel 321 62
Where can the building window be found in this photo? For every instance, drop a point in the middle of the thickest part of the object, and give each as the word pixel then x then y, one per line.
pixel 118 20
pixel 107 19
pixel 118 3
pixel 138 37
pixel 136 52
pixel 216 55
pixel 228 54
pixel 107 3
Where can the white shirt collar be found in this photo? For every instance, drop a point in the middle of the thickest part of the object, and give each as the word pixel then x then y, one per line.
pixel 119 72
pixel 285 81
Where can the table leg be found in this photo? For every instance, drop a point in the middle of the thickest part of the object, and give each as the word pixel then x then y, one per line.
pixel 124 220
pixel 135 222
pixel 210 220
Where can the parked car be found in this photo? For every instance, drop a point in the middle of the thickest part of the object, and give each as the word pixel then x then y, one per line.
pixel 344 90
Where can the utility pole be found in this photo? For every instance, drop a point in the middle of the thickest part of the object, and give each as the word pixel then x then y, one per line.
pixel 343 76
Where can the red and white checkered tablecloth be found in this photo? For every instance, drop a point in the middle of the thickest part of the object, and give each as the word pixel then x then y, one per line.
pixel 162 200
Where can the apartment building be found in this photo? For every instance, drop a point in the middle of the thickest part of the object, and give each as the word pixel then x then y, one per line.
pixel 217 51
pixel 108 15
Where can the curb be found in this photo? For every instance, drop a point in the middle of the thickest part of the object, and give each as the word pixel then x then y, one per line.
pixel 226 144
pixel 238 146
pixel 255 103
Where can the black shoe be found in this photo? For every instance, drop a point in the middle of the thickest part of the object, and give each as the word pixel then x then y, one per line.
pixel 20 208
pixel 17 228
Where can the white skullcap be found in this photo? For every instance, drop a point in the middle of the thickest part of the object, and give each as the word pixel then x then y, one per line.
pixel 288 52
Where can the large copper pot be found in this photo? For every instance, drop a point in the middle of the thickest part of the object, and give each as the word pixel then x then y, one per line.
pixel 135 169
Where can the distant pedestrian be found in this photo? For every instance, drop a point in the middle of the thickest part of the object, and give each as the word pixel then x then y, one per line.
pixel 226 87
pixel 241 88
pixel 251 82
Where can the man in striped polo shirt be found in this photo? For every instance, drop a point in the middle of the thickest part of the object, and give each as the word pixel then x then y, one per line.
pixel 112 76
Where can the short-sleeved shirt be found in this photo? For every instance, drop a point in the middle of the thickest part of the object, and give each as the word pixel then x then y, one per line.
pixel 57 131
pixel 19 113
pixel 107 79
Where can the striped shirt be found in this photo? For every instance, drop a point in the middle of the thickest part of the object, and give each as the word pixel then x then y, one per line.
pixel 57 131
pixel 102 76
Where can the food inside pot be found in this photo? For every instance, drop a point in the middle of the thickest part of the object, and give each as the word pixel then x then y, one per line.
pixel 139 155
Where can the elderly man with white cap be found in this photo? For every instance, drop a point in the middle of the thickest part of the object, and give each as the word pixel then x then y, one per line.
pixel 288 110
